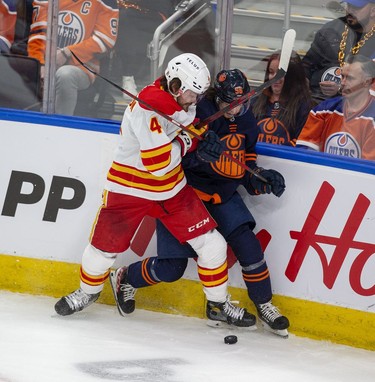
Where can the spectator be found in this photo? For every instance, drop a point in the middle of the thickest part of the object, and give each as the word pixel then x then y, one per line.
pixel 8 16
pixel 146 178
pixel 353 33
pixel 86 28
pixel 282 109
pixel 216 184
pixel 345 125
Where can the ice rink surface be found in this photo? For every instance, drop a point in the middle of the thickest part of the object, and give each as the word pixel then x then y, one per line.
pixel 98 344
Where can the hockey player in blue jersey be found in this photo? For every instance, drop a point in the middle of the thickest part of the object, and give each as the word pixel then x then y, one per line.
pixel 216 183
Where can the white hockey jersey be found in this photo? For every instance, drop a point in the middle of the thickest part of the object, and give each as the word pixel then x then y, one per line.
pixel 147 162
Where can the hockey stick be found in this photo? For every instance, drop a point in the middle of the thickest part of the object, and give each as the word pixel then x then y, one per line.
pixel 286 52
pixel 168 118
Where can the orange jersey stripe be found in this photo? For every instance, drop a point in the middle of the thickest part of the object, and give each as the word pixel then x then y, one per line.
pixel 256 277
pixel 145 274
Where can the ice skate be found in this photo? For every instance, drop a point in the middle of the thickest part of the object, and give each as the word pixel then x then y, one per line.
pixel 123 291
pixel 75 302
pixel 225 314
pixel 272 320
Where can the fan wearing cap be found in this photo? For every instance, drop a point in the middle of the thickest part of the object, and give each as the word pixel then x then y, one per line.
pixel 351 34
pixel 216 183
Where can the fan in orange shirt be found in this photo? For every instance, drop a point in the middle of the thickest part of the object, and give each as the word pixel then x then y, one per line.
pixel 8 15
pixel 86 28
pixel 345 125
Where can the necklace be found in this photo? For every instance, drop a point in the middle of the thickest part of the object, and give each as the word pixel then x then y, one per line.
pixel 356 47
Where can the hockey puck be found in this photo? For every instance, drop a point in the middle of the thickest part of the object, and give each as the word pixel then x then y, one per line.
pixel 230 340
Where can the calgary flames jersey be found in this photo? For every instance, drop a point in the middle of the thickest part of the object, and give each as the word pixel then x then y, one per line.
pixel 330 129
pixel 8 15
pixel 147 162
pixel 87 28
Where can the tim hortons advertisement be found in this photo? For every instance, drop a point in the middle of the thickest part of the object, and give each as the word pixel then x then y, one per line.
pixel 318 237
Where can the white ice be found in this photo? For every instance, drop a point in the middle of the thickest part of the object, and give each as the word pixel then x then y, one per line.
pixel 98 344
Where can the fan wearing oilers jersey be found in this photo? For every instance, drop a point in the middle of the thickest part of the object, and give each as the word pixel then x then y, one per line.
pixel 8 16
pixel 147 179
pixel 216 184
pixel 345 125
pixel 86 28
pixel 282 109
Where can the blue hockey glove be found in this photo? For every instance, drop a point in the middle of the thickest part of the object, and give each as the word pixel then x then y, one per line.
pixel 210 149
pixel 276 182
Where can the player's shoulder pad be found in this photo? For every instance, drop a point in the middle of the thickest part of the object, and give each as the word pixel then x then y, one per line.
pixel 110 3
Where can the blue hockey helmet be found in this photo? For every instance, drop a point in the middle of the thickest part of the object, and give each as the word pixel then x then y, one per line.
pixel 230 85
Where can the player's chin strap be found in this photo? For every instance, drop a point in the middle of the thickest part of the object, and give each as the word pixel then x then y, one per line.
pixel 286 52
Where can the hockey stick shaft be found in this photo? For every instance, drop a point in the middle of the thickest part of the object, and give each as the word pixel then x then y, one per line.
pixel 167 117
pixel 286 52
pixel 141 101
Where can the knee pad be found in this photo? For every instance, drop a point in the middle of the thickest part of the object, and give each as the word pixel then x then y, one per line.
pixel 211 249
pixel 168 270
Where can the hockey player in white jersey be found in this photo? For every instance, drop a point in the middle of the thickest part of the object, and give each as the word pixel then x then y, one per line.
pixel 216 184
pixel 147 178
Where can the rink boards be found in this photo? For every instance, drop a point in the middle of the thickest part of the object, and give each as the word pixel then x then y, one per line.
pixel 318 237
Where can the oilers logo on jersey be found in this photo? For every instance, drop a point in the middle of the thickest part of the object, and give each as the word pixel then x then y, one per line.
pixel 272 130
pixel 332 74
pixel 226 167
pixel 71 30
pixel 342 143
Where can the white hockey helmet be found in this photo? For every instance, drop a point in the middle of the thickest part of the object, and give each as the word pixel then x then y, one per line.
pixel 191 71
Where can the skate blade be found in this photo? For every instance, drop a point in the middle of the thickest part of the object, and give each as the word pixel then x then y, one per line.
pixel 112 281
pixel 283 333
pixel 225 325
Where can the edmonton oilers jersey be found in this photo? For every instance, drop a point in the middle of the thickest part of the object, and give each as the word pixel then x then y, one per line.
pixel 8 15
pixel 223 177
pixel 88 28
pixel 273 130
pixel 330 128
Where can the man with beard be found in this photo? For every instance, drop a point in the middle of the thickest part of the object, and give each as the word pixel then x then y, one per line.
pixel 351 34
pixel 345 125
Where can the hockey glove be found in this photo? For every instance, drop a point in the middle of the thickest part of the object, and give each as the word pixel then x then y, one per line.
pixel 200 132
pixel 276 182
pixel 185 141
pixel 210 149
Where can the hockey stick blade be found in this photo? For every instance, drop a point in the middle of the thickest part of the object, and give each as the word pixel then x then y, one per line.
pixel 287 48
pixel 168 118
pixel 286 52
